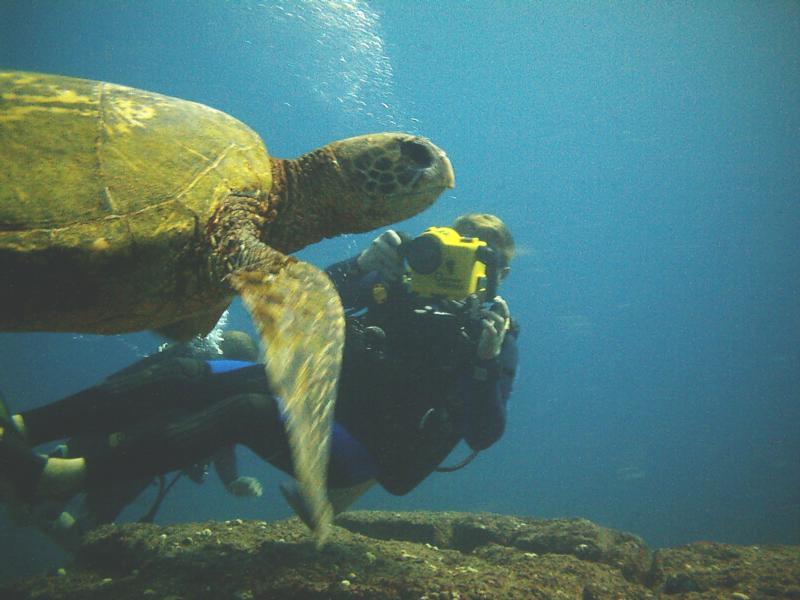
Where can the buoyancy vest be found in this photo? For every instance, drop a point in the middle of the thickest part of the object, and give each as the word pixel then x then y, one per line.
pixel 399 388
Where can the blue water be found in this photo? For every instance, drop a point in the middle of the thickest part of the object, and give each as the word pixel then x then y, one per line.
pixel 647 157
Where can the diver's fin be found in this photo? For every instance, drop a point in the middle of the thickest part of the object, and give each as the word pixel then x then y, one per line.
pixel 48 517
pixel 20 467
pixel 64 530
pixel 340 498
pixel 299 316
pixel 198 324
pixel 293 498
pixel 9 434
pixel 5 414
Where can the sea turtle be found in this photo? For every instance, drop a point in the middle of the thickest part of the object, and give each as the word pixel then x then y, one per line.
pixel 123 210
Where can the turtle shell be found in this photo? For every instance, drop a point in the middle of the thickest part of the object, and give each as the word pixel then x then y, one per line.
pixel 105 192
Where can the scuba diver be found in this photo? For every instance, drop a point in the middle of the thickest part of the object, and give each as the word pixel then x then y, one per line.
pixel 429 359
pixel 103 504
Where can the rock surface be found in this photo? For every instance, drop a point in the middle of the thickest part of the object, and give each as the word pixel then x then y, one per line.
pixel 409 555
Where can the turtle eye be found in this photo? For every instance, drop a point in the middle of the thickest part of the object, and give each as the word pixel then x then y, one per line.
pixel 419 153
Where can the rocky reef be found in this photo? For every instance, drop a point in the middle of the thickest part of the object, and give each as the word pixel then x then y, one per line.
pixel 409 555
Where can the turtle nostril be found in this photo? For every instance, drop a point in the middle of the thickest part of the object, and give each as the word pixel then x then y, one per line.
pixel 418 152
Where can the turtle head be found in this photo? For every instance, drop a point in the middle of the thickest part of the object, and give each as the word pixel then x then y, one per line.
pixel 388 177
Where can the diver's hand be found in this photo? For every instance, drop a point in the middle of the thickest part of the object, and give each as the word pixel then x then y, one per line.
pixel 494 324
pixel 245 487
pixel 383 256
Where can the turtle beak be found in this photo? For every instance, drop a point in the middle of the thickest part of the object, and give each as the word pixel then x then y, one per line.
pixel 451 182
pixel 431 162
pixel 449 174
pixel 394 176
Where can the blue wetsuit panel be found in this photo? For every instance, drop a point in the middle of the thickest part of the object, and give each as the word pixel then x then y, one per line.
pixel 351 463
pixel 225 366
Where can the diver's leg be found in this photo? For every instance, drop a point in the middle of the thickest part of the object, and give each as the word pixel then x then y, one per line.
pixel 118 402
pixel 249 419
pixel 19 467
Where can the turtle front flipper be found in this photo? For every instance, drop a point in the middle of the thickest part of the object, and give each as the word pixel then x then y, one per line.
pixel 299 316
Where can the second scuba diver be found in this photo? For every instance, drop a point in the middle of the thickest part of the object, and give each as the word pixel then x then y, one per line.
pixel 429 360
pixel 102 504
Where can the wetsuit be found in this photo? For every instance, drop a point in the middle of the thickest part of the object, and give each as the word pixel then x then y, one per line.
pixel 104 503
pixel 404 402
pixel 412 386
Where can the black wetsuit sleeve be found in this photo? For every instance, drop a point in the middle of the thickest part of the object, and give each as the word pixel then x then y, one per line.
pixel 487 389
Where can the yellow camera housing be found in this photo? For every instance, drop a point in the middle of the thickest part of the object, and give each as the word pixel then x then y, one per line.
pixel 447 265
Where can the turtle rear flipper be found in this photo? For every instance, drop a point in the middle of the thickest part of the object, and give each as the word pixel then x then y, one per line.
pixel 299 316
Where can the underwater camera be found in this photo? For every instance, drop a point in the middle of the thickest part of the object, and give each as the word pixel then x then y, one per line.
pixel 443 264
